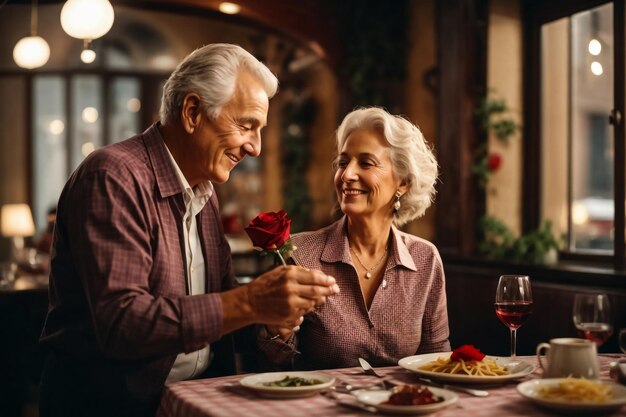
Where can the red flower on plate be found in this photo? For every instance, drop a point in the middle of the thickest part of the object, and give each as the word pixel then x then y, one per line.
pixel 467 353
pixel 494 161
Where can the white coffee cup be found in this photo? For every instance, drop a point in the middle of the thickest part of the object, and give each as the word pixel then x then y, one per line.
pixel 569 357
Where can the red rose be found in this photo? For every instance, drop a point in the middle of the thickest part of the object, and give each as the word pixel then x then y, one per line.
pixel 269 231
pixel 467 353
pixel 494 161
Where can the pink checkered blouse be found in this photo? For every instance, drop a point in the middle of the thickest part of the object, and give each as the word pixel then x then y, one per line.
pixel 407 317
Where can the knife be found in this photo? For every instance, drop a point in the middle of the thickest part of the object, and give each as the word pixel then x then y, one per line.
pixel 471 391
pixel 349 403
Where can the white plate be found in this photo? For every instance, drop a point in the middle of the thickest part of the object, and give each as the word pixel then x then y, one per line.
pixel 375 398
pixel 529 389
pixel 255 382
pixel 413 363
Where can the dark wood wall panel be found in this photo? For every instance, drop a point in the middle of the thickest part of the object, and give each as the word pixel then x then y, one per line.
pixel 462 61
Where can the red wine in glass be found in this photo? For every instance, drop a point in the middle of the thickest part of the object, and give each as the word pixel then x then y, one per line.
pixel 592 317
pixel 596 332
pixel 513 315
pixel 514 303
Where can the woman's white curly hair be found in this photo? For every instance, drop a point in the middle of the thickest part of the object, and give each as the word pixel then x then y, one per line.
pixel 412 159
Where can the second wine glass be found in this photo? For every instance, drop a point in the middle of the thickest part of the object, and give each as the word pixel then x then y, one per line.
pixel 514 304
pixel 592 317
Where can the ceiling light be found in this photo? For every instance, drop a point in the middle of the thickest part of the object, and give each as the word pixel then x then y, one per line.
pixel 229 8
pixel 89 115
pixel 596 68
pixel 88 55
pixel 133 105
pixel 595 47
pixel 87 148
pixel 32 51
pixel 56 127
pixel 87 19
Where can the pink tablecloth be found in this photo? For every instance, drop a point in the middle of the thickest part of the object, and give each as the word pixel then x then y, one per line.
pixel 224 397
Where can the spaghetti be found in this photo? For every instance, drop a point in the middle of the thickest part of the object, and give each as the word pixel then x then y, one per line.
pixel 485 367
pixel 576 390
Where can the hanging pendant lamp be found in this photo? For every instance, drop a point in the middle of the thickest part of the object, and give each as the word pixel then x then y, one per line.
pixel 87 20
pixel 31 51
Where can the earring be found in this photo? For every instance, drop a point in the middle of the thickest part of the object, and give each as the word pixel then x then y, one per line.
pixel 396 204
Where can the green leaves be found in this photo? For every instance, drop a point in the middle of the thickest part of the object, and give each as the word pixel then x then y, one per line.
pixel 498 242
pixel 493 115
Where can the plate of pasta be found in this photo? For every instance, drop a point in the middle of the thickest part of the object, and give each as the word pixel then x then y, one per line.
pixel 574 395
pixel 444 366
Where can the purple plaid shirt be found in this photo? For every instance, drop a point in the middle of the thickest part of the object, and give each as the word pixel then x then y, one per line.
pixel 407 317
pixel 118 296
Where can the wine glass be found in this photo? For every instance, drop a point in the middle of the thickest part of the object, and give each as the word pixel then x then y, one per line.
pixel 622 340
pixel 592 317
pixel 514 304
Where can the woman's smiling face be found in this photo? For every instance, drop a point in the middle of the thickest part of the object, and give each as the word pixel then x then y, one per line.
pixel 364 178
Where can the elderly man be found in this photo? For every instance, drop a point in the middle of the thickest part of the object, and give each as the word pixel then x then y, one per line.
pixel 142 288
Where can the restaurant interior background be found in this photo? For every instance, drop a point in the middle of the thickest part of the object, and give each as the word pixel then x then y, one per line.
pixel 521 100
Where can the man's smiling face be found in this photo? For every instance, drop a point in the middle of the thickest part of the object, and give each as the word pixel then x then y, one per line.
pixel 223 142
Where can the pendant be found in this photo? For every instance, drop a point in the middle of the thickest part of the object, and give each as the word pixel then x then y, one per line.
pixel 384 283
pixel 368 275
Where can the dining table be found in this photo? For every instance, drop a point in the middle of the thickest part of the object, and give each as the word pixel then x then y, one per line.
pixel 226 397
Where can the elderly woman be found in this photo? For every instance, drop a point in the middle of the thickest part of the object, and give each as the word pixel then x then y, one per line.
pixel 392 302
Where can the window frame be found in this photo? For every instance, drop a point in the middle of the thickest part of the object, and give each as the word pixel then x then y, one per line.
pixel 149 89
pixel 535 14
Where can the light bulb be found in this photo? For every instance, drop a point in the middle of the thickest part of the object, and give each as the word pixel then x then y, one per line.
pixel 87 19
pixel 596 68
pixel 133 105
pixel 31 52
pixel 595 47
pixel 89 115
pixel 88 56
pixel 87 148
pixel 229 8
pixel 56 127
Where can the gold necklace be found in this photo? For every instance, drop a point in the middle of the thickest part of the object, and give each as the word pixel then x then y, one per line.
pixel 368 271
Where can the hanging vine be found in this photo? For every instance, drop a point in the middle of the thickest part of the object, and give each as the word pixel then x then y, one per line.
pixel 496 240
pixel 494 116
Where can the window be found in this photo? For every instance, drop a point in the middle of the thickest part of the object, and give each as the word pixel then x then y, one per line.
pixel 68 123
pixel 50 156
pixel 575 73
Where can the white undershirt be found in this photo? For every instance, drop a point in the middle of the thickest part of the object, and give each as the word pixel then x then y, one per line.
pixel 189 365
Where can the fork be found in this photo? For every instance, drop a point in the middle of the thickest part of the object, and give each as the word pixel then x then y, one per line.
pixel 367 368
